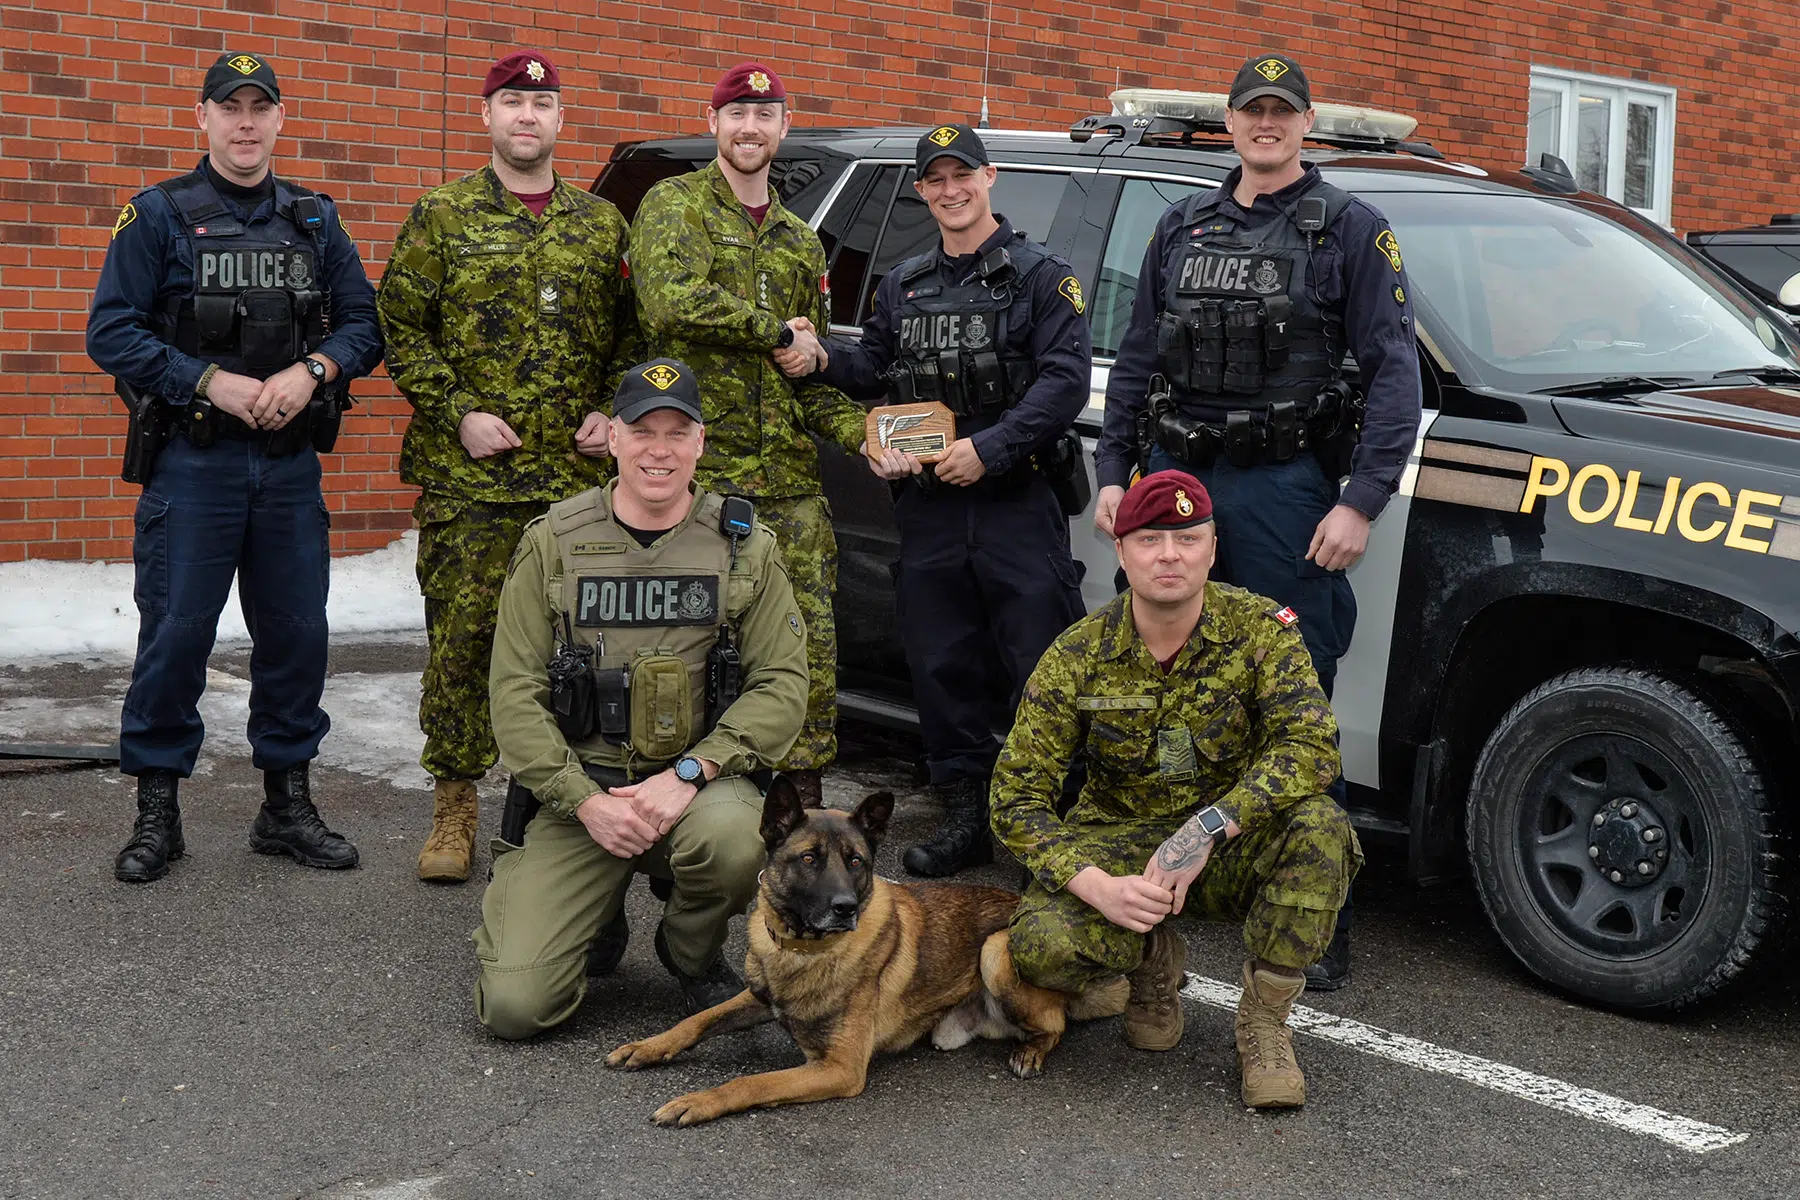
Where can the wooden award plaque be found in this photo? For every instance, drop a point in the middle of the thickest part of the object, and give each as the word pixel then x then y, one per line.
pixel 923 430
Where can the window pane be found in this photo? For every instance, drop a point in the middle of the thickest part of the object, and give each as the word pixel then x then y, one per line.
pixel 1640 155
pixel 1544 134
pixel 1593 134
pixel 1141 204
pixel 850 262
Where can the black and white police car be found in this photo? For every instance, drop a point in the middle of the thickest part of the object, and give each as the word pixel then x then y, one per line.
pixel 1577 667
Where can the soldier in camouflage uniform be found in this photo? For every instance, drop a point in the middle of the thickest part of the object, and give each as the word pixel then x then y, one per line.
pixel 1209 747
pixel 722 271
pixel 508 320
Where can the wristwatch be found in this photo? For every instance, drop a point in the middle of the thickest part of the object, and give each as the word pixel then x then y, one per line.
pixel 688 770
pixel 315 368
pixel 1211 822
pixel 785 338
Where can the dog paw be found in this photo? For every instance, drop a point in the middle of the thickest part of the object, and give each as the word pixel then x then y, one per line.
pixel 691 1109
pixel 1027 1062
pixel 634 1056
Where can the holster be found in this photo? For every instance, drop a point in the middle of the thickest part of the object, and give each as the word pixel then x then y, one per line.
pixel 522 803
pixel 326 413
pixel 146 432
pixel 1062 466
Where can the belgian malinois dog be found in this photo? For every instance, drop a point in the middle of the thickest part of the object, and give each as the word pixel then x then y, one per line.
pixel 853 965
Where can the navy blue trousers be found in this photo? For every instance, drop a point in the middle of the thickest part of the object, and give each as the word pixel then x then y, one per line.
pixel 985 583
pixel 209 515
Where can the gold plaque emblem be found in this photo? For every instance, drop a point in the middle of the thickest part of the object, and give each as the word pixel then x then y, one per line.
pixel 923 430
pixel 535 69
pixel 1071 288
pixel 1389 245
pixel 243 64
pixel 1183 505
pixel 759 83
pixel 1271 69
pixel 662 376
pixel 127 215
pixel 943 135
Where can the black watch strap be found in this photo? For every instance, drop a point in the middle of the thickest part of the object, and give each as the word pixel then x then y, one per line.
pixel 785 338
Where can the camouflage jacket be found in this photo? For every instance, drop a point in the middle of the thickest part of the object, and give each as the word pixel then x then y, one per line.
pixel 1239 721
pixel 488 308
pixel 713 290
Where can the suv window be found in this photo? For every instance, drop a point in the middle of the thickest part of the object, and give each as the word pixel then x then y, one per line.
pixel 849 251
pixel 800 182
pixel 1029 199
pixel 1142 203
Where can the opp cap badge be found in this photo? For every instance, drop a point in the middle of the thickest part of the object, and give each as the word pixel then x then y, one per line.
pixel 662 376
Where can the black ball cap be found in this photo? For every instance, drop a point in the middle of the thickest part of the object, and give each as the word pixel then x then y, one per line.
pixel 958 141
pixel 659 383
pixel 1271 75
pixel 234 71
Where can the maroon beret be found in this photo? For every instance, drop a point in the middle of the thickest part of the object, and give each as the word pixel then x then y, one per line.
pixel 748 81
pixel 1164 500
pixel 522 70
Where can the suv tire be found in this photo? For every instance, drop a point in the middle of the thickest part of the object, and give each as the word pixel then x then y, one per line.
pixel 1622 839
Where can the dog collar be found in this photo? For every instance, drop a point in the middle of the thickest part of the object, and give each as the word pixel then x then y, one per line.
pixel 797 945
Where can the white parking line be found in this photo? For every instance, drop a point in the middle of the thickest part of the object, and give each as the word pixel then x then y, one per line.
pixel 1696 1137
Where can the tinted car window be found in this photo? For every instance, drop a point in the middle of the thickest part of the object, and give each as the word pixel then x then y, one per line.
pixel 1029 199
pixel 626 181
pixel 1142 203
pixel 1764 265
pixel 849 251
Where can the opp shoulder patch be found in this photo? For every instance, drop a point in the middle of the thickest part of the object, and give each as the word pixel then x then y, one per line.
pixel 1389 245
pixel 1070 287
pixel 794 624
pixel 1286 616
pixel 127 215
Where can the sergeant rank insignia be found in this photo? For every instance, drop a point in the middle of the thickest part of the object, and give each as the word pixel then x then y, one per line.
pixel 549 296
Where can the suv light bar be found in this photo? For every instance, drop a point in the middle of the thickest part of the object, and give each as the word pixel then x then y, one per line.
pixel 1208 109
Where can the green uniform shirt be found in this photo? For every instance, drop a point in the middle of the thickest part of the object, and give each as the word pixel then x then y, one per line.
pixel 1238 721
pixel 714 290
pixel 755 731
pixel 487 308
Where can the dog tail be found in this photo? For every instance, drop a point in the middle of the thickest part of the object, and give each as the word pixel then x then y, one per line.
pixel 1101 1000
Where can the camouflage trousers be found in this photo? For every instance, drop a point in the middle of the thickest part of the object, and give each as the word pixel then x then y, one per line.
pixel 1285 882
pixel 802 527
pixel 465 547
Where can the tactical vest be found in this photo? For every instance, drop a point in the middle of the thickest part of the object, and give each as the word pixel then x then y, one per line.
pixel 956 342
pixel 652 614
pixel 1241 320
pixel 258 302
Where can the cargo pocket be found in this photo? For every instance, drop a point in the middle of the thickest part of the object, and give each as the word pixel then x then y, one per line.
pixel 439 564
pixel 1221 740
pixel 150 555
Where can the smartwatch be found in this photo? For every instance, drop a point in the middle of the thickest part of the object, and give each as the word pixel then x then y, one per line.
pixel 688 770
pixel 1211 822
pixel 785 338
pixel 315 368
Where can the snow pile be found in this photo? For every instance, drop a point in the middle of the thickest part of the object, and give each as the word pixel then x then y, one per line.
pixel 51 610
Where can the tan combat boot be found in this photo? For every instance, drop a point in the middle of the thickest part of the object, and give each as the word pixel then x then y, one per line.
pixel 454 816
pixel 1153 1017
pixel 1272 1078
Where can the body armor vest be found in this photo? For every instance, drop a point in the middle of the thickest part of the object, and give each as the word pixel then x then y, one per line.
pixel 955 341
pixel 650 617
pixel 258 302
pixel 1241 323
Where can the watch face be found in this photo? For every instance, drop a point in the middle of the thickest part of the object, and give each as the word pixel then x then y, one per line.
pixel 687 769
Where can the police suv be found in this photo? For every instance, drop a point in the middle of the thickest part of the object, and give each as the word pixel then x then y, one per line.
pixel 1577 667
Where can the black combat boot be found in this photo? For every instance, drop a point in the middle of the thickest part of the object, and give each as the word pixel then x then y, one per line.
pixel 156 838
pixel 963 841
pixel 289 824
pixel 608 946
pixel 810 783
pixel 1333 970
pixel 716 985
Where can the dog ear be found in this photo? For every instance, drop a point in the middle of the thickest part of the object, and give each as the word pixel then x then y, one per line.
pixel 782 811
pixel 871 816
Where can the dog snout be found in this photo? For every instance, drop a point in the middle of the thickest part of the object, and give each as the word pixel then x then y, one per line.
pixel 844 907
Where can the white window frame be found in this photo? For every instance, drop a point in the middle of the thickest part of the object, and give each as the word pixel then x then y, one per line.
pixel 1572 85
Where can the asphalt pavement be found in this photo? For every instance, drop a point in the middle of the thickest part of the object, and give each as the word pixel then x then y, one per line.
pixel 250 1028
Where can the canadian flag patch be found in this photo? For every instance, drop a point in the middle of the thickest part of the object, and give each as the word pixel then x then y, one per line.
pixel 1287 616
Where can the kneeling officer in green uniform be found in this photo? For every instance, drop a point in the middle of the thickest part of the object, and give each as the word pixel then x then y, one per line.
pixel 1209 747
pixel 648 655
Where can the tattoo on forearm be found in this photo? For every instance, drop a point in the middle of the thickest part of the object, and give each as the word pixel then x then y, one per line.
pixel 1184 848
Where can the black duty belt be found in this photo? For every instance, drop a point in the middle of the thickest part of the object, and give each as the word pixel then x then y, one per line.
pixel 202 427
pixel 1278 434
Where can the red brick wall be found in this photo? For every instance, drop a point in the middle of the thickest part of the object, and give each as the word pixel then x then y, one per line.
pixel 96 96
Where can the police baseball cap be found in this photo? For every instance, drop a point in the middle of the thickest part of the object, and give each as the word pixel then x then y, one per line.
pixel 957 141
pixel 659 383
pixel 1271 75
pixel 234 71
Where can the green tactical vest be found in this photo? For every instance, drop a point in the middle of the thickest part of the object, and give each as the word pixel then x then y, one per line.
pixel 655 612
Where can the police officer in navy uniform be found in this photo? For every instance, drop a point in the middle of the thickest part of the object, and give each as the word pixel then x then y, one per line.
pixel 992 324
pixel 1249 299
pixel 232 299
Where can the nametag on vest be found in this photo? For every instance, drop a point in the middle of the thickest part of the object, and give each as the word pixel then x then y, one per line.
pixel 1115 703
pixel 1211 274
pixel 947 331
pixel 640 600
pixel 236 271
